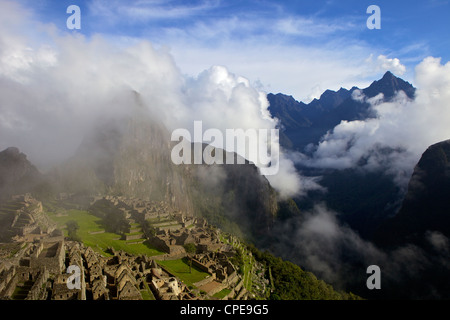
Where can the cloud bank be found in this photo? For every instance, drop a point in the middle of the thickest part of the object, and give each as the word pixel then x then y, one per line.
pixel 53 90
pixel 335 253
pixel 401 131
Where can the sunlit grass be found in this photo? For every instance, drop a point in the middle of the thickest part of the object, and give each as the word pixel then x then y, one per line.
pixel 180 268
pixel 100 242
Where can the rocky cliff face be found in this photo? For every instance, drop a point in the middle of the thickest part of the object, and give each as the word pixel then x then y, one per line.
pixel 128 156
pixel 426 207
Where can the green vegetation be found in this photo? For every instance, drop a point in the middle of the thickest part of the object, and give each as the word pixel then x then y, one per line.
pixel 147 293
pixel 92 233
pixel 288 281
pixel 292 283
pixel 113 219
pixel 180 268
pixel 213 209
pixel 222 294
pixel 72 228
pixel 190 248
pixel 238 261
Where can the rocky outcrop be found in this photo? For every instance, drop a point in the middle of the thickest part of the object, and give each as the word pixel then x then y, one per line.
pixel 426 206
pixel 17 174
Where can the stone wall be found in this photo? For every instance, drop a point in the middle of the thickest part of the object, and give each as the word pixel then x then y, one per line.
pixel 201 266
pixel 9 290
pixel 159 244
pixel 6 278
pixel 8 282
pixel 133 236
pixel 37 291
pixel 205 281
pixel 54 262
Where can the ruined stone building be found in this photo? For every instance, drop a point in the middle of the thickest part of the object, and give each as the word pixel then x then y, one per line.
pixel 29 277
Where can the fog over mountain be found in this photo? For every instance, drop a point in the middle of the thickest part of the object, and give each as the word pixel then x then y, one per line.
pixel 404 127
pixel 55 87
pixel 366 162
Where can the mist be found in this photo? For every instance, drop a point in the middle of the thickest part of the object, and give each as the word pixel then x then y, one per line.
pixel 401 131
pixel 320 243
pixel 55 86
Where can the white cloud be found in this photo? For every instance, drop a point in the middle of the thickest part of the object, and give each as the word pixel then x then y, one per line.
pixel 287 53
pixel 401 132
pixel 311 27
pixel 146 10
pixel 337 254
pixel 383 64
pixel 48 103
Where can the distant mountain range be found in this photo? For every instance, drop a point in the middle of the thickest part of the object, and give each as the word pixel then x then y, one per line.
pixel 363 199
pixel 303 124
pixel 370 202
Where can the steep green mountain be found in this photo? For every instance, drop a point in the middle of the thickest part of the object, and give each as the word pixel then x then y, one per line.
pixel 426 206
pixel 290 282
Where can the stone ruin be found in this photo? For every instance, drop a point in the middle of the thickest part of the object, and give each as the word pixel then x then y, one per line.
pixel 26 275
pixel 28 220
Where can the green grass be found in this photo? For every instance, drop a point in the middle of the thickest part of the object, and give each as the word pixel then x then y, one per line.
pixel 247 272
pixel 180 268
pixel 147 293
pixel 100 242
pixel 158 220
pixel 222 294
pixel 134 233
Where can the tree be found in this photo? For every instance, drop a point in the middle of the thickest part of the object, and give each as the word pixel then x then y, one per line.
pixel 115 221
pixel 191 249
pixel 72 228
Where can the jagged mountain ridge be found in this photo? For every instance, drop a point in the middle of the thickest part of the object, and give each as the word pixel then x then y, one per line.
pixel 303 124
pixel 362 199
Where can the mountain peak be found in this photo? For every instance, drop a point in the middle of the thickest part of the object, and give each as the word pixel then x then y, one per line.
pixel 17 174
pixel 388 75
pixel 11 151
pixel 389 85
pixel 12 155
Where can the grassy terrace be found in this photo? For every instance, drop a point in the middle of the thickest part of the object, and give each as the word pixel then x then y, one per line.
pixel 180 268
pixel 90 224
pixel 222 294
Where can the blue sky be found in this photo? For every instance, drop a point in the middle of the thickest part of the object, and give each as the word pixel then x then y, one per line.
pixel 296 47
